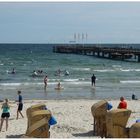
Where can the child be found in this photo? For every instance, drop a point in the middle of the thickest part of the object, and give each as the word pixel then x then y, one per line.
pixel 122 104
pixel 59 87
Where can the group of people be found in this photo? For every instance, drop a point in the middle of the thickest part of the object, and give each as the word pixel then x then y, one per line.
pixel 6 110
pixel 93 81
pixel 60 73
pixel 37 73
pixel 6 107
pixel 58 87
pixel 123 103
pixel 13 71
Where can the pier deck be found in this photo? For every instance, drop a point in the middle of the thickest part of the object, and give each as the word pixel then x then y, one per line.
pixel 98 51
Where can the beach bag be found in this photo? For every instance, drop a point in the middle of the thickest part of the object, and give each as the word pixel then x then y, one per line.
pixel 109 106
pixel 137 121
pixel 52 121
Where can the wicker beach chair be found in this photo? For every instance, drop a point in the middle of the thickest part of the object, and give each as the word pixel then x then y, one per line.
pixel 99 111
pixel 33 108
pixel 134 131
pixel 38 117
pixel 116 121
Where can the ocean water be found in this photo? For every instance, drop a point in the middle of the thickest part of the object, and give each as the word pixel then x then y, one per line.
pixel 114 78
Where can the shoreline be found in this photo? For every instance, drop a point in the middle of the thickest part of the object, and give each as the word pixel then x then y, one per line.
pixel 71 99
pixel 74 118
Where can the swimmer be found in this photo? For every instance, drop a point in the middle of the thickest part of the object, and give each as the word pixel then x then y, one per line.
pixel 58 72
pixel 67 73
pixel 34 73
pixel 13 71
pixel 40 71
pixel 59 87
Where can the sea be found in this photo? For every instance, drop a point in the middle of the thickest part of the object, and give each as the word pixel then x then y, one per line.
pixel 114 78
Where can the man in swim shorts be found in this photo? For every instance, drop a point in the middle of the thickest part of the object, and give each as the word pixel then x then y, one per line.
pixel 93 78
pixel 20 105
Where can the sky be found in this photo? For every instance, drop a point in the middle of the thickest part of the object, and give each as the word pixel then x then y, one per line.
pixel 62 22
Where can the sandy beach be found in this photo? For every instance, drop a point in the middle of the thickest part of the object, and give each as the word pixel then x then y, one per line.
pixel 74 118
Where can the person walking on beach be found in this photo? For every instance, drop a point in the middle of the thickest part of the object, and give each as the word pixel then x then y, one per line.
pixel 122 104
pixel 20 105
pixel 45 81
pixel 93 79
pixel 5 114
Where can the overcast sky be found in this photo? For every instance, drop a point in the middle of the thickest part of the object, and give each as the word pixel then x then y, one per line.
pixel 57 22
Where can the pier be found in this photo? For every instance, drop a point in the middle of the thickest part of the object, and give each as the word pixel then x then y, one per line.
pixel 118 53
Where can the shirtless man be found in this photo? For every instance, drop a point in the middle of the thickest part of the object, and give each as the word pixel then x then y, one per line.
pixel 45 81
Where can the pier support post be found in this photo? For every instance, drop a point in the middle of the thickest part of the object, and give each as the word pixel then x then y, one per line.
pixel 54 49
pixel 93 53
pixel 103 54
pixel 85 53
pixel 123 57
pixel 98 54
pixel 138 58
pixel 109 55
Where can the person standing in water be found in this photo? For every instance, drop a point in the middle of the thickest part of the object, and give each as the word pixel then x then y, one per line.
pixel 20 105
pixel 45 81
pixel 93 79
pixel 5 114
pixel 13 71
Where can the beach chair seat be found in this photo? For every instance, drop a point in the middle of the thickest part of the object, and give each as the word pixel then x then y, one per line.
pixel 134 131
pixel 99 111
pixel 39 129
pixel 116 121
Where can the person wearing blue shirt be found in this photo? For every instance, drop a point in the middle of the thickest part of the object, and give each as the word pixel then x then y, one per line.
pixel 20 105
